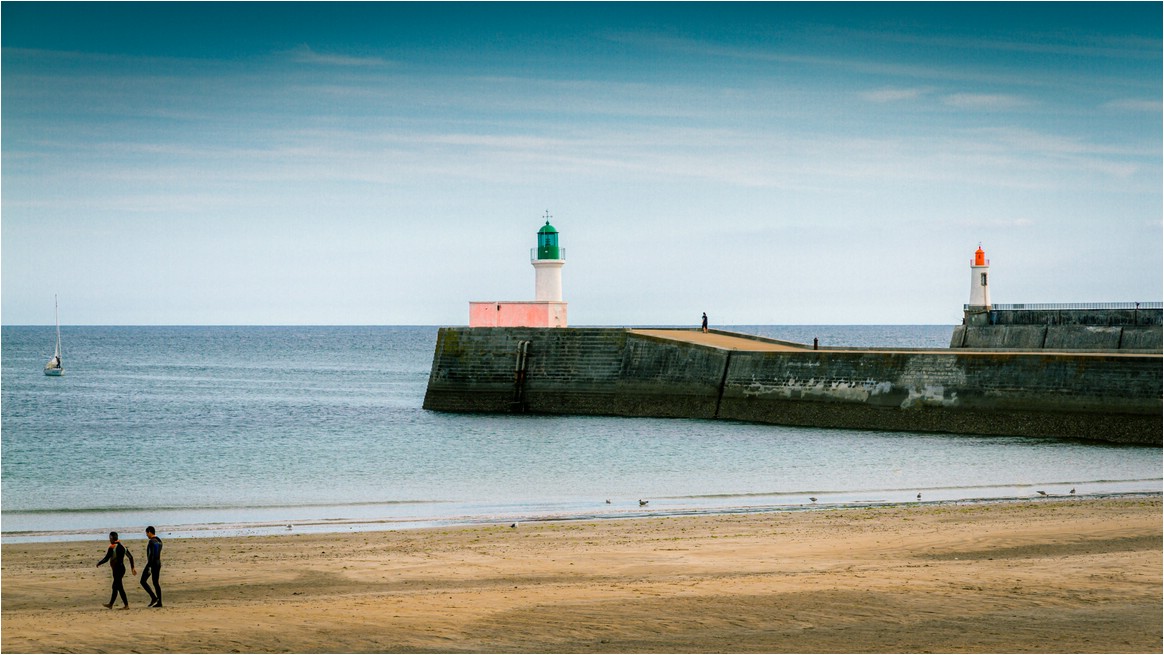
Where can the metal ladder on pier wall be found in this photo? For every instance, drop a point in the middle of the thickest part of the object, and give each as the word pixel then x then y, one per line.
pixel 520 366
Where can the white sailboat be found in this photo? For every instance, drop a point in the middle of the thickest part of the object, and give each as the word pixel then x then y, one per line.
pixel 54 366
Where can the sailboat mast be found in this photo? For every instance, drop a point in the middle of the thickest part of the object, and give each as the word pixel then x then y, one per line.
pixel 57 314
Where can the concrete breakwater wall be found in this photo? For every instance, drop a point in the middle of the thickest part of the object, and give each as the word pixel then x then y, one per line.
pixel 1062 327
pixel 613 371
pixel 1150 314
pixel 1059 337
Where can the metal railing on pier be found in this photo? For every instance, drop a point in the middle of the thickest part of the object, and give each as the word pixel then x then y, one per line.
pixel 1054 306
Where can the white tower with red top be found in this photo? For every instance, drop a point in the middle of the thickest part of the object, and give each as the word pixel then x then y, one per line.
pixel 980 280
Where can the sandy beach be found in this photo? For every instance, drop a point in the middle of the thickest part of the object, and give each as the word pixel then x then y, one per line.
pixel 1054 575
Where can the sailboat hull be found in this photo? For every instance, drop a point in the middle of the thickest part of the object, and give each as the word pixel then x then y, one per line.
pixel 54 372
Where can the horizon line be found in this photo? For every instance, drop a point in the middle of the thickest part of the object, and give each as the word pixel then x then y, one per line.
pixel 442 325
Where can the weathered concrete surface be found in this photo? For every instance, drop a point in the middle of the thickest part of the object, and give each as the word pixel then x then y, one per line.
pixel 1059 395
pixel 573 371
pixel 1067 329
pixel 1142 338
pixel 1101 396
pixel 1060 337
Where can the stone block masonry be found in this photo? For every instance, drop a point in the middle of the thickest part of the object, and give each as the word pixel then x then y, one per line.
pixel 613 371
pixel 1053 394
pixel 572 371
pixel 1067 327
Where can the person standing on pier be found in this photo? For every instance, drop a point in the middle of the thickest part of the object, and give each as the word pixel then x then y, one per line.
pixel 705 321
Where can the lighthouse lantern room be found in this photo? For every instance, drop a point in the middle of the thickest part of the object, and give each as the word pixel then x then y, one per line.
pixel 548 242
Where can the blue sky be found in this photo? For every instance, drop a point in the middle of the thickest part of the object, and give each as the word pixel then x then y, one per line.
pixel 372 163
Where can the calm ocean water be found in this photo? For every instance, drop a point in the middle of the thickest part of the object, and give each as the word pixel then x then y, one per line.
pixel 246 430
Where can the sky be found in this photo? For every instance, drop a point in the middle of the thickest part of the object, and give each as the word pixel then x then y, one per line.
pixel 385 164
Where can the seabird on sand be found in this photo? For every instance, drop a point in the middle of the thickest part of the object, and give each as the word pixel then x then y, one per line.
pixel 513 525
pixel 812 499
pixel 643 502
pixel 1041 493
pixel 1072 492
pixel 607 501
pixel 919 495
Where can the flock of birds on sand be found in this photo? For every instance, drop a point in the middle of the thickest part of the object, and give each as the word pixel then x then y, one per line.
pixel 643 503
pixel 811 498
pixel 919 496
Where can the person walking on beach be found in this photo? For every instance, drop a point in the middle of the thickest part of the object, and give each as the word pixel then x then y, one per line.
pixel 153 567
pixel 116 555
pixel 705 321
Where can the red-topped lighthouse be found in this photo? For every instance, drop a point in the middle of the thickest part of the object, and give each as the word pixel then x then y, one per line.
pixel 980 280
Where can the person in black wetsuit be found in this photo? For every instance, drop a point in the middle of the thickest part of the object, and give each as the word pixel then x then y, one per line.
pixel 153 567
pixel 116 555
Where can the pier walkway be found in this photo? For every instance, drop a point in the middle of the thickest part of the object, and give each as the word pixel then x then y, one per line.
pixel 722 340
pixel 744 343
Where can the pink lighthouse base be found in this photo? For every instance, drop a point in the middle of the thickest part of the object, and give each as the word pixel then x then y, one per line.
pixel 530 313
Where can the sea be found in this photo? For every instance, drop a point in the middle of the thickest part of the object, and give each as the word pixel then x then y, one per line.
pixel 230 431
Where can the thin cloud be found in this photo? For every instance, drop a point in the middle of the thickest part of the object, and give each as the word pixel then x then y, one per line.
pixel 304 54
pixel 890 94
pixel 1135 104
pixel 984 101
pixel 992 222
pixel 866 65
pixel 1051 43
pixel 1050 144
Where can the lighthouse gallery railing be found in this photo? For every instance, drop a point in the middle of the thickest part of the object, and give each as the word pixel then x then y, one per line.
pixel 533 253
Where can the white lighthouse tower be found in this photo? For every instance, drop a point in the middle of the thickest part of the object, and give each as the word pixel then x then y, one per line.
pixel 980 281
pixel 977 311
pixel 547 261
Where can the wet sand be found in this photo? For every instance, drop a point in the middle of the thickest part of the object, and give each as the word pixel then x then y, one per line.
pixel 1056 575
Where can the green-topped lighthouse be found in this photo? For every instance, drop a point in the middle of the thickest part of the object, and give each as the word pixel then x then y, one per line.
pixel 547 310
pixel 548 259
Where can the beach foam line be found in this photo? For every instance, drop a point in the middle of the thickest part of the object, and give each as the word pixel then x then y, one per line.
pixel 345 525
